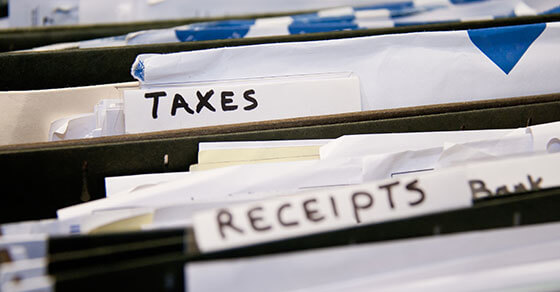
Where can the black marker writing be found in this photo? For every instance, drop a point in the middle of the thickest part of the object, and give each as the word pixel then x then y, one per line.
pixel 225 219
pixel 155 96
pixel 248 97
pixel 361 206
pixel 178 102
pixel 204 101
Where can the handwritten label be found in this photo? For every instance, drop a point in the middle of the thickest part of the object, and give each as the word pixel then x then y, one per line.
pixel 240 101
pixel 329 209
pixel 512 176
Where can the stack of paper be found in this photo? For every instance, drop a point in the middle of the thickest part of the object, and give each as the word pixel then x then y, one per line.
pixel 352 184
pixel 275 199
pixel 25 13
pixel 190 89
pixel 390 14
pixel 106 120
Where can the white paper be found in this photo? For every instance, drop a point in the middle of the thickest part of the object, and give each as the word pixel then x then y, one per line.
pixel 4 22
pixel 366 144
pixel 529 268
pixel 119 185
pixel 207 146
pixel 244 180
pixel 35 284
pixel 141 10
pixel 107 119
pixel 328 209
pixel 75 127
pixel 291 176
pixel 51 227
pixel 546 137
pixel 17 253
pixel 105 217
pixel 25 269
pixel 46 106
pixel 54 47
pixel 473 11
pixel 28 227
pixel 222 154
pixel 400 70
pixel 446 153
pixel 66 12
pixel 25 13
pixel 516 142
pixel 398 163
pixel 322 268
pixel 34 244
pixel 535 172
pixel 513 175
pixel 181 215
pixel 332 209
pixel 233 102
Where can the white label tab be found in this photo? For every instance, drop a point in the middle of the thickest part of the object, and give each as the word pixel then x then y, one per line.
pixel 240 101
pixel 512 176
pixel 330 209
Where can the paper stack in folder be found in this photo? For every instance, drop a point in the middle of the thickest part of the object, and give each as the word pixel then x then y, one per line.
pixel 359 17
pixel 406 177
pixel 391 146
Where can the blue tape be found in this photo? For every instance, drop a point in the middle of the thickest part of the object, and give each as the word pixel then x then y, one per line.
pixel 329 19
pixel 74 229
pixel 506 45
pixel 465 1
pixel 211 33
pixel 410 23
pixel 298 28
pixel 552 11
pixel 389 6
pixel 139 70
pixel 304 16
pixel 224 23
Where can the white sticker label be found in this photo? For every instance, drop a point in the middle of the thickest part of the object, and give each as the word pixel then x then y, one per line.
pixel 330 209
pixel 241 101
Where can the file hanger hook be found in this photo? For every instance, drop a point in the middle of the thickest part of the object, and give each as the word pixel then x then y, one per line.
pixel 85 193
pixel 166 160
pixel 516 219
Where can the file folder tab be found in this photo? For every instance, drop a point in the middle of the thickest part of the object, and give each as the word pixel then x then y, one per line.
pixel 329 209
pixel 230 102
pixel 525 174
